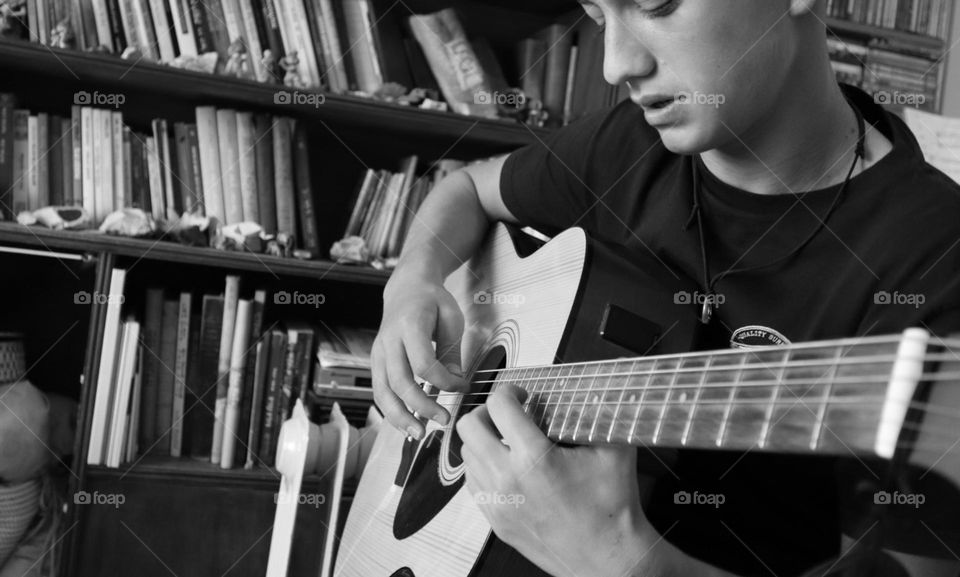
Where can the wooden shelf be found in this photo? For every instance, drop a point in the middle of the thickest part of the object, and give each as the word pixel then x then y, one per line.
pixel 921 42
pixel 186 469
pixel 94 242
pixel 200 88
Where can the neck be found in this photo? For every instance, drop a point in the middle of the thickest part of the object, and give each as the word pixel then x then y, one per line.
pixel 806 142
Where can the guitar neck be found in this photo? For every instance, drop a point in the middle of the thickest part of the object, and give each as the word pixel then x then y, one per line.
pixel 832 397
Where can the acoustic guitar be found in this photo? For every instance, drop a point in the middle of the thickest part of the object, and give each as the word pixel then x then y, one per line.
pixel 601 341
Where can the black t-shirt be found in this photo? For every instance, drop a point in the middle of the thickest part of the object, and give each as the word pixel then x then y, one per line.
pixel 892 242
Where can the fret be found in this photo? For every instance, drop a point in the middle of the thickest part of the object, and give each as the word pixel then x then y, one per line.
pixel 623 392
pixel 824 401
pixel 654 395
pixel 640 402
pixel 530 383
pixel 696 401
pixel 615 377
pixel 666 404
pixel 555 387
pixel 748 414
pixel 774 396
pixel 680 398
pixel 729 406
pixel 573 403
pixel 588 396
pixel 561 388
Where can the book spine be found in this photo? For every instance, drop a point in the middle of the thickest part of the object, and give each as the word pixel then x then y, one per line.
pixel 180 375
pixel 308 215
pixel 183 172
pixel 360 37
pixel 196 178
pixel 120 193
pixel 271 25
pixel 103 151
pixel 55 155
pixel 33 153
pixel 230 300
pixel 145 32
pixel 152 320
pixel 256 326
pixel 362 198
pixel 235 387
pixel 129 19
pixel 216 19
pixel 283 176
pixel 229 165
pixel 335 60
pixel 102 18
pixel 194 383
pixel 247 166
pixel 203 35
pixel 77 141
pixel 182 27
pixel 42 167
pixel 108 353
pixel 154 179
pixel 168 358
pixel 116 25
pixel 21 160
pixel 294 20
pixel 306 362
pixel 66 160
pixel 139 187
pixel 266 196
pixel 318 41
pixel 7 105
pixel 202 418
pixel 273 398
pixel 162 30
pixel 170 193
pixel 128 196
pixel 260 375
pixel 208 141
pixel 288 391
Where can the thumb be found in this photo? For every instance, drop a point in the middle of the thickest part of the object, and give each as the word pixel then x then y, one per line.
pixel 449 334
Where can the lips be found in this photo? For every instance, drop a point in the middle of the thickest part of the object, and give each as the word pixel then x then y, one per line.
pixel 656 101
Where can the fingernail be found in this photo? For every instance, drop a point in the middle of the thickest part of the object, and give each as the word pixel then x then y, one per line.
pixel 454 369
pixel 441 418
pixel 414 432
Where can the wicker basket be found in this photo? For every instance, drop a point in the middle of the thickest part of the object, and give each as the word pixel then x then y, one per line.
pixel 13 363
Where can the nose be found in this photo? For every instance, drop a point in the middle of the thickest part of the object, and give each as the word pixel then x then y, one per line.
pixel 626 55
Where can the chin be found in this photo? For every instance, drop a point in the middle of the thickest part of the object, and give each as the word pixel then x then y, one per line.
pixel 683 140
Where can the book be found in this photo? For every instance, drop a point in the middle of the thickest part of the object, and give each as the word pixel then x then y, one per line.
pixel 454 62
pixel 238 356
pixel 560 41
pixel 21 157
pixel 229 165
pixel 122 385
pixel 345 347
pixel 273 397
pixel 334 65
pixel 89 196
pixel 361 200
pixel 163 30
pixel 96 449
pixel 309 235
pixel 171 193
pixel 180 375
pixel 7 105
pixel 202 33
pixel 194 203
pixel 102 18
pixel 295 33
pixel 183 27
pixel 120 193
pixel 32 173
pixel 211 179
pixel 283 176
pixel 150 331
pixel 103 160
pixel 136 404
pixel 260 375
pixel 184 167
pixel 251 36
pixel 266 196
pixel 246 401
pixel 155 179
pixel 247 167
pixel 230 299
pixel 201 419
pixel 116 25
pixel 77 140
pixel 360 38
pixel 66 161
pixel 55 152
pixel 166 381
pixel 145 30
pixel 130 29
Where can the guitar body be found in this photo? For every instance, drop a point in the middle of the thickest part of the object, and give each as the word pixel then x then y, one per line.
pixel 571 300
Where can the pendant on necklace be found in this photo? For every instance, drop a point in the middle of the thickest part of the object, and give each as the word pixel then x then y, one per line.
pixel 706 313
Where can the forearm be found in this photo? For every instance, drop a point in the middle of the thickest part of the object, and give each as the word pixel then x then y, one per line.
pixel 446 231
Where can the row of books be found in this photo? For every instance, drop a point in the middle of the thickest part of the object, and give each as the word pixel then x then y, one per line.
pixel 928 17
pixel 386 203
pixel 562 66
pixel 893 77
pixel 206 379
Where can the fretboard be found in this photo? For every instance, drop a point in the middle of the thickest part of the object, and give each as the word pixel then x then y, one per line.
pixel 828 397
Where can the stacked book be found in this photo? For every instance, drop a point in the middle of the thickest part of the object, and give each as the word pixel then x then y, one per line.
pixel 201 376
pixel 894 77
pixel 343 363
pixel 386 203
pixel 927 17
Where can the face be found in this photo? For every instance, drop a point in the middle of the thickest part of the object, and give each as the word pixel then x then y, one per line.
pixel 705 72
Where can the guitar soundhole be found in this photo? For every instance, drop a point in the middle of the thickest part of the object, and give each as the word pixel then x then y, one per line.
pixel 424 493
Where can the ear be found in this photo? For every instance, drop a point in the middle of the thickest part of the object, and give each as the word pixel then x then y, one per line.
pixel 802 7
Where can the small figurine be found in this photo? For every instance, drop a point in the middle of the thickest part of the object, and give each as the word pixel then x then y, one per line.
pixel 132 53
pixel 291 65
pixel 238 63
pixel 272 66
pixel 62 35
pixel 13 19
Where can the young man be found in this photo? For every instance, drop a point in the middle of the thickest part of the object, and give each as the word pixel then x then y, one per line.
pixel 739 161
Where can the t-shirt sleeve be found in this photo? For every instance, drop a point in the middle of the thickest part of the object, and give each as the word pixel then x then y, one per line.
pixel 545 184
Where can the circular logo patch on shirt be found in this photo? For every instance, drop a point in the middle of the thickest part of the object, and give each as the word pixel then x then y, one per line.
pixel 756 336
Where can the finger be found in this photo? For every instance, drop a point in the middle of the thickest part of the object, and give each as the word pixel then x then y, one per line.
pixel 449 335
pixel 480 437
pixel 401 382
pixel 424 362
pixel 518 429
pixel 393 409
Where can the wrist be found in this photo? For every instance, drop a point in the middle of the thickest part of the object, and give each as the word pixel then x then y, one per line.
pixel 416 272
